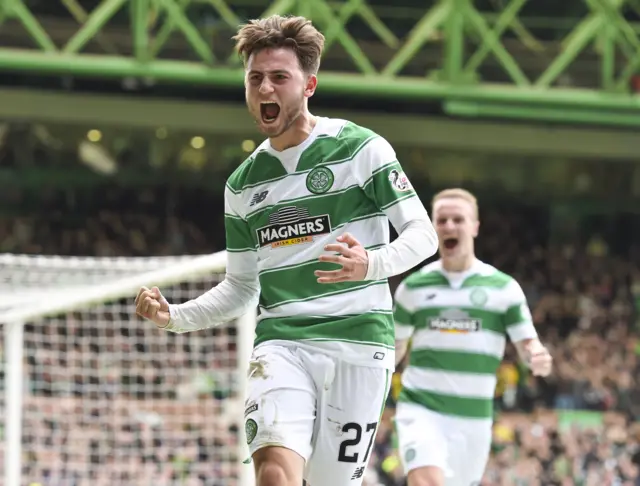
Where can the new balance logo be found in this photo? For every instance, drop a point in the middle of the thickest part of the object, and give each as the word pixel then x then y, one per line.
pixel 258 198
pixel 358 473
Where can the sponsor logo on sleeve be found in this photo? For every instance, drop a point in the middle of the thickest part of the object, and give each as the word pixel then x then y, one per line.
pixel 399 181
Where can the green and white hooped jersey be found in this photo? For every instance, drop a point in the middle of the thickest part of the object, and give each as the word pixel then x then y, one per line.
pixel 282 208
pixel 458 325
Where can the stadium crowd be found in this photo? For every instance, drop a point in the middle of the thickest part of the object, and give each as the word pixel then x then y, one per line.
pixel 112 401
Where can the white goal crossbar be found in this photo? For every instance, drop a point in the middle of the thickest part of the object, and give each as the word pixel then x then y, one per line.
pixel 36 288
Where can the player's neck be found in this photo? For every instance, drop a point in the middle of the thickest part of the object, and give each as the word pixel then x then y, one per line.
pixel 297 133
pixel 458 265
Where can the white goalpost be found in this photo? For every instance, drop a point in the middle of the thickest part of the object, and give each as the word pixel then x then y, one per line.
pixel 92 394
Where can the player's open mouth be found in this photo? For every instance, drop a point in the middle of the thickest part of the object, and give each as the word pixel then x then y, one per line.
pixel 450 243
pixel 269 111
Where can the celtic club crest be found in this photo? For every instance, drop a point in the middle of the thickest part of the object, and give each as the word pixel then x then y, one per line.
pixel 251 430
pixel 320 180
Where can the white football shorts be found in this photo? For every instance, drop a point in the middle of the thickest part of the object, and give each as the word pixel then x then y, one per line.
pixel 458 446
pixel 321 407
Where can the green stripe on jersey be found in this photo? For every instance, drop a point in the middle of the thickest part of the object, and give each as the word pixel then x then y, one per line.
pixel 497 280
pixel 325 150
pixel 341 206
pixel 428 279
pixel 238 233
pixel 456 361
pixel 371 328
pixel 298 283
pixel 517 314
pixel 480 408
pixel 259 168
pixel 489 320
pixel 401 315
pixel 380 189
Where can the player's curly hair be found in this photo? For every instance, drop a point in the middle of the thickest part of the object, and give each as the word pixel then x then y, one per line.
pixel 296 33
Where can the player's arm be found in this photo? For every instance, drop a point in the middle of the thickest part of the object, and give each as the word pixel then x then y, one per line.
pixel 404 319
pixel 523 334
pixel 383 180
pixel 239 290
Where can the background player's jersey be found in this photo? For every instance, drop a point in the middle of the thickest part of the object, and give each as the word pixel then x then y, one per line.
pixel 282 208
pixel 458 328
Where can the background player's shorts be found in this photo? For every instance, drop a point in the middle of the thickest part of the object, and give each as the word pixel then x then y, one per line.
pixel 458 446
pixel 324 409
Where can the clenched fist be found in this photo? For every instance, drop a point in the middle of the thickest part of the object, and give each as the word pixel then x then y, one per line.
pixel 540 361
pixel 151 305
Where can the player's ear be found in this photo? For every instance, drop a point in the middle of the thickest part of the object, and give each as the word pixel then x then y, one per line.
pixel 310 87
pixel 476 228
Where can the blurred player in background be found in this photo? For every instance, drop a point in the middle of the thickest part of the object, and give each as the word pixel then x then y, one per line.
pixel 306 219
pixel 458 312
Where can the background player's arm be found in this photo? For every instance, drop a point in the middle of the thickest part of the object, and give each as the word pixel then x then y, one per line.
pixel 237 293
pixel 403 318
pixel 376 170
pixel 523 334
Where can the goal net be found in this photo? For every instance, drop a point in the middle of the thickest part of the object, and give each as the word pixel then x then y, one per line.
pixel 102 397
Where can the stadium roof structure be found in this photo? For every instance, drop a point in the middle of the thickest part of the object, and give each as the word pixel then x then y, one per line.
pixel 571 64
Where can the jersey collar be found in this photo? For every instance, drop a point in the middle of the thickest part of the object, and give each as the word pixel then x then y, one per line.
pixel 457 279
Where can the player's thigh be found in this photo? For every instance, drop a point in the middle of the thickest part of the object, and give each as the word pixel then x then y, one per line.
pixel 280 410
pixel 348 417
pixel 472 446
pixel 422 439
pixel 426 476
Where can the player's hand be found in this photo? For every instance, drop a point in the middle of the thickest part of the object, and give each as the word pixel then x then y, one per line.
pixel 540 361
pixel 351 256
pixel 151 305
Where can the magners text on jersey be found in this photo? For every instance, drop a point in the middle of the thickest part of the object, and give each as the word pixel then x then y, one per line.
pixel 455 325
pixel 301 231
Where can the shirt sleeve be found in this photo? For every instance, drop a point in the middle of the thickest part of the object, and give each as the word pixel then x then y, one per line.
pixel 240 289
pixel 517 318
pixel 402 313
pixel 381 177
